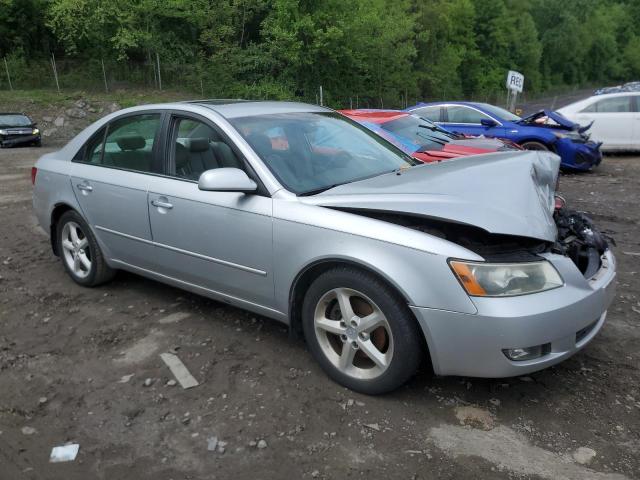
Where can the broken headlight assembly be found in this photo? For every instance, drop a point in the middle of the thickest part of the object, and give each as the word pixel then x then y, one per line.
pixel 505 279
pixel 573 136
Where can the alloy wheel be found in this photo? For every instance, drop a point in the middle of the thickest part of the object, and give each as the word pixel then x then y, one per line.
pixel 353 333
pixel 76 252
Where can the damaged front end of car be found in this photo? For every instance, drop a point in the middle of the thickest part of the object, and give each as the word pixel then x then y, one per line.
pixel 573 142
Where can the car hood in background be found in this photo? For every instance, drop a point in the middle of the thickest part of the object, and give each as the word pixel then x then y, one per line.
pixel 509 193
pixel 560 119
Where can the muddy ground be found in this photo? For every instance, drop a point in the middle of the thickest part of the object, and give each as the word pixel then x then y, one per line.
pixel 66 353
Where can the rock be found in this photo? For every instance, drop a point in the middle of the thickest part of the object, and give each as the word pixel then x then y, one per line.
pixel 80 103
pixel 495 402
pixel 252 443
pixel 43 400
pixel 584 455
pixel 75 113
pixel 113 107
pixel 171 383
pixel 262 444
pixel 47 119
pixel 148 382
pixel 373 426
pixel 475 417
pixel 315 473
pixel 28 430
pixel 59 122
pixel 212 443
pixel 126 378
pixel 49 131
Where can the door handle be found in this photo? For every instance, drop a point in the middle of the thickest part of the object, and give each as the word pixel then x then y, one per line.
pixel 160 204
pixel 84 187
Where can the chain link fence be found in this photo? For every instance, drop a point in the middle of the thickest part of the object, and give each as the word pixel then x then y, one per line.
pixel 202 81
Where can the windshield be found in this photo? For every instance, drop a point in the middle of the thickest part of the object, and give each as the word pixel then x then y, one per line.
pixel 15 120
pixel 501 113
pixel 311 152
pixel 420 131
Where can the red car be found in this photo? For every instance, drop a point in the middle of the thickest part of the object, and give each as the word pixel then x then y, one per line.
pixel 423 139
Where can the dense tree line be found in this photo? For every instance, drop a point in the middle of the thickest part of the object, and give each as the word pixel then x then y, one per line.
pixel 384 49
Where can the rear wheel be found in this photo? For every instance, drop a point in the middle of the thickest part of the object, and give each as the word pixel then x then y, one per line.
pixel 534 146
pixel 360 331
pixel 80 253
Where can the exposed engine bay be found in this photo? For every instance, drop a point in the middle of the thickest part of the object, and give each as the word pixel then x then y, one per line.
pixel 577 238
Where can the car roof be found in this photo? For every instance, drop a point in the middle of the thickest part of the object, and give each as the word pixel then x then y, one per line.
pixel 374 115
pixel 613 95
pixel 246 108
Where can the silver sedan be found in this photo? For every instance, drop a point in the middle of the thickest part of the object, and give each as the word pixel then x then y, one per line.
pixel 297 213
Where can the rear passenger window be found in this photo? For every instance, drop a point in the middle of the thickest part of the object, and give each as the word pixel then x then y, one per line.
pixel 198 148
pixel 430 113
pixel 129 143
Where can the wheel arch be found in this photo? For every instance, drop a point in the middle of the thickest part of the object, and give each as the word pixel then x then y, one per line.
pixel 310 272
pixel 58 210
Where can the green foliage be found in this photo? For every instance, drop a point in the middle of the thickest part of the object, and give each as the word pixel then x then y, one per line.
pixel 366 52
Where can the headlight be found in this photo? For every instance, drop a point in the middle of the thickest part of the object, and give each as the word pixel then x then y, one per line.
pixel 3 132
pixel 505 279
pixel 35 131
pixel 567 134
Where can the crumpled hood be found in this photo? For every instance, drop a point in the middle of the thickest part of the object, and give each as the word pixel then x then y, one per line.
pixel 555 116
pixel 509 193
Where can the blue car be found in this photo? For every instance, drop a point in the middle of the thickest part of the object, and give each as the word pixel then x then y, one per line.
pixel 544 130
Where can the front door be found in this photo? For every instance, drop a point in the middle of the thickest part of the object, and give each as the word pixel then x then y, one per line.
pixel 110 178
pixel 467 120
pixel 221 241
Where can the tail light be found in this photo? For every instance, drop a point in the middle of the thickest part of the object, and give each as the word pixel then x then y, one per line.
pixel 34 172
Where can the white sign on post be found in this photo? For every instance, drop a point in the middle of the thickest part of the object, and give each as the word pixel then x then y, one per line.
pixel 515 81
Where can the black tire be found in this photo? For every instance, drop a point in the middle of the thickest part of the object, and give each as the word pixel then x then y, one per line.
pixel 407 340
pixel 99 272
pixel 532 145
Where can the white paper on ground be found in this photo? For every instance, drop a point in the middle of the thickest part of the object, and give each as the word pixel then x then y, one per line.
pixel 179 371
pixel 66 453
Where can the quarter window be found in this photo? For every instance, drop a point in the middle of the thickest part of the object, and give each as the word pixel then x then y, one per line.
pixel 457 114
pixel 197 148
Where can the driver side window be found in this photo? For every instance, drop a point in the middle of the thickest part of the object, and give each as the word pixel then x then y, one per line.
pixel 197 147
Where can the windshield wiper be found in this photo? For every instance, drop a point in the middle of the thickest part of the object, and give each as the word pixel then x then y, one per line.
pixel 315 191
pixel 435 128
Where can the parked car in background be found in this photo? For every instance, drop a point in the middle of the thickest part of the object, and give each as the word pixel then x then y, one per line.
pixel 626 87
pixel 18 129
pixel 544 130
pixel 614 119
pixel 423 139
pixel 376 258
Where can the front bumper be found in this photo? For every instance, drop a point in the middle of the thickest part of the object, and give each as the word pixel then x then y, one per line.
pixel 568 318
pixel 11 140
pixel 578 156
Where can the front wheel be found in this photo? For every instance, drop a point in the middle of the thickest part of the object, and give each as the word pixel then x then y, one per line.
pixel 360 331
pixel 534 146
pixel 81 256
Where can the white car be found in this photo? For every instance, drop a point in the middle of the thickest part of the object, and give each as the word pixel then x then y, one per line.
pixel 615 117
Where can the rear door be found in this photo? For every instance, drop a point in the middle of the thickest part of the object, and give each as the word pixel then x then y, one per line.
pixel 613 121
pixel 467 120
pixel 110 178
pixel 220 241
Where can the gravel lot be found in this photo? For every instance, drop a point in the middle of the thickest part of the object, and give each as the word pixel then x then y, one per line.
pixel 66 354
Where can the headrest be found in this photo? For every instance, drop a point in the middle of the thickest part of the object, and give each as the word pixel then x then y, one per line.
pixel 131 143
pixel 199 144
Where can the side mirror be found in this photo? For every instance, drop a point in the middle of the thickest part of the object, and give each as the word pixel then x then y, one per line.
pixel 488 122
pixel 226 180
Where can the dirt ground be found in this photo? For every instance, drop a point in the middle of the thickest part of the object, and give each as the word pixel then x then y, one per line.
pixel 66 354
